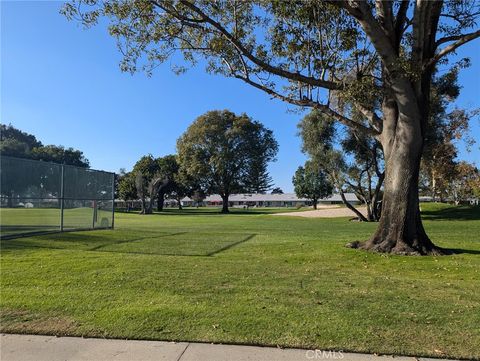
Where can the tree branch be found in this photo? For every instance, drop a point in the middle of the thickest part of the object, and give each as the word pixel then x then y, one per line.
pixel 400 20
pixel 372 117
pixel 447 39
pixel 313 104
pixel 349 206
pixel 452 47
pixel 361 11
pixel 262 64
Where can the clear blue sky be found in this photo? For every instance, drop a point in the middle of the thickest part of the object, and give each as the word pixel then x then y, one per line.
pixel 63 84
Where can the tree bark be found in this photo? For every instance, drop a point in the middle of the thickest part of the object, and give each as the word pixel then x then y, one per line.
pixel 314 203
pixel 400 230
pixel 225 203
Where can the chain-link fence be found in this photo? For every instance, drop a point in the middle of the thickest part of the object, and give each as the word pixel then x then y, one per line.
pixel 39 197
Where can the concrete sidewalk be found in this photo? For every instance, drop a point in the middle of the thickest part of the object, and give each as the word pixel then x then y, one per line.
pixel 51 348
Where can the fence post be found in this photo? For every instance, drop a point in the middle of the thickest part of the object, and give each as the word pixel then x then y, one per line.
pixel 62 187
pixel 113 200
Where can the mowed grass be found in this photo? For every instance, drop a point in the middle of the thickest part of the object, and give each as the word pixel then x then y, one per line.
pixel 249 278
pixel 23 220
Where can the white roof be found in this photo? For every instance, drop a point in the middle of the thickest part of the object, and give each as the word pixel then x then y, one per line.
pixel 351 197
pixel 285 197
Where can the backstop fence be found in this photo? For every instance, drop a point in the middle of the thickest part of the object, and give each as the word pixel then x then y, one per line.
pixel 38 197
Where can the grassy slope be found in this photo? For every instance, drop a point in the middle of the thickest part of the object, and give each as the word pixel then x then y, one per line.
pixel 287 281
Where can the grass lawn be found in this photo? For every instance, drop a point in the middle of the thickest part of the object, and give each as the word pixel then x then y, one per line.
pixel 249 277
pixel 23 220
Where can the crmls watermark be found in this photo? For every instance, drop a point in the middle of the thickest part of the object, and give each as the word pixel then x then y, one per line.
pixel 319 355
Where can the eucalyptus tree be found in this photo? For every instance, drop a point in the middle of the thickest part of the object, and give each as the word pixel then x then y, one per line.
pixel 352 161
pixel 376 57
pixel 364 175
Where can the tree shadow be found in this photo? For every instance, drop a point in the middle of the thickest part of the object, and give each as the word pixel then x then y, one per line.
pixel 453 251
pixel 458 213
pixel 80 240
pixel 86 242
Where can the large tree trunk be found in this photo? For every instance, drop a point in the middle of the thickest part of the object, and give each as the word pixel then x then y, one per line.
pixel 314 201
pixel 225 204
pixel 400 229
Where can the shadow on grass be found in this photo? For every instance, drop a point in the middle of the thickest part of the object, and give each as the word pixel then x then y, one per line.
pixel 459 213
pixel 82 241
pixel 101 243
pixel 462 251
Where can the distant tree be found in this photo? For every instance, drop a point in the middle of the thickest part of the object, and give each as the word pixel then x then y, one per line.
pixel 355 164
pixel 277 190
pixel 198 196
pixel 145 181
pixel 265 148
pixel 126 188
pixel 364 174
pixel 122 172
pixel 447 127
pixel 60 154
pixel 466 183
pixel 311 182
pixel 183 186
pixel 156 179
pixel 218 149
pixel 166 174
pixel 16 143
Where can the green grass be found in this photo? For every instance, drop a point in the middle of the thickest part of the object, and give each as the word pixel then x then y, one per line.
pixel 249 278
pixel 23 220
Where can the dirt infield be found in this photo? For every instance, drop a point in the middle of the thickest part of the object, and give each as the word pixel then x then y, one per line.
pixel 330 211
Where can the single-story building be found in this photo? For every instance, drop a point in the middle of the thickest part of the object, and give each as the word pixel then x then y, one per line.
pixel 248 200
pixel 267 200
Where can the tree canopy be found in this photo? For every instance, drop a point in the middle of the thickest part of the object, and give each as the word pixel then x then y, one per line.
pixel 276 190
pixel 16 143
pixel 311 182
pixel 352 161
pixel 219 149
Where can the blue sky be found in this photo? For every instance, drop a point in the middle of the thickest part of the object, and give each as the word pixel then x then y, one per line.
pixel 63 84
